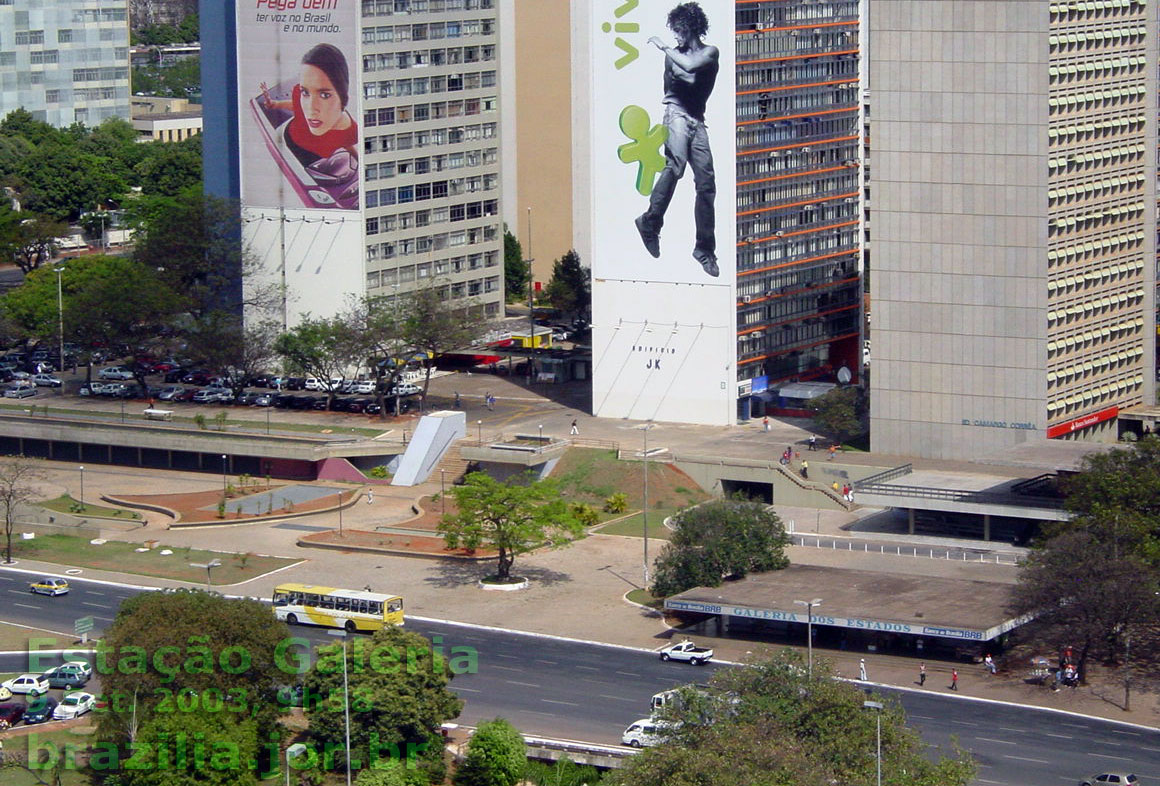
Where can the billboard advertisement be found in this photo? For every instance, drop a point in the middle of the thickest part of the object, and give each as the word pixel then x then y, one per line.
pixel 299 88
pixel 663 212
pixel 299 95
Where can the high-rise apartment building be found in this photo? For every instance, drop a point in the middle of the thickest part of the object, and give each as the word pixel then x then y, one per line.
pixel 367 147
pixel 1014 221
pixel 65 61
pixel 668 342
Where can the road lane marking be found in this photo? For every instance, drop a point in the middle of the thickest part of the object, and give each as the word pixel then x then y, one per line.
pixel 26 606
pixel 547 662
pixel 98 605
pixel 565 703
pixel 467 690
pixel 525 684
pixel 923 717
pixel 106 619
pixel 507 668
pixel 587 668
pixel 1060 736
pixel 964 723
pixel 628 673
pixel 94 592
pixel 1000 742
pixel 1007 728
pixel 501 655
pixel 1024 758
pixel 1129 733
pixel 984 780
pixel 1106 756
pixel 617 698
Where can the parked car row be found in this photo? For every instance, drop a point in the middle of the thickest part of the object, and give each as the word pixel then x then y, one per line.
pixel 42 707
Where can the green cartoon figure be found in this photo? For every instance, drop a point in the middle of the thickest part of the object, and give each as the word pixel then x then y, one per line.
pixel 644 148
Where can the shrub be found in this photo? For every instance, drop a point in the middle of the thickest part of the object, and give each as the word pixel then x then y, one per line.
pixel 380 472
pixel 616 503
pixel 586 514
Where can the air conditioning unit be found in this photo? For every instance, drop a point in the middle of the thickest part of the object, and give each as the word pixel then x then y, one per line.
pixel 779 233
pixel 746 298
pixel 806 149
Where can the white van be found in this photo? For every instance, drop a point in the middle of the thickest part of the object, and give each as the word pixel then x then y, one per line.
pixel 644 733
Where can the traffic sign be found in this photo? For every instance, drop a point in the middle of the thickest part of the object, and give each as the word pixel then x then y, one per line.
pixel 83 625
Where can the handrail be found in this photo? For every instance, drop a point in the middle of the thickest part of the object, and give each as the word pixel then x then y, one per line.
pixel 885 475
pixel 961 495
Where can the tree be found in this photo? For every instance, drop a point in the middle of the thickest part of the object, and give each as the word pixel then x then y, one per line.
pixel 18 479
pixel 496 756
pixel 62 181
pixel 778 727
pixel 29 240
pixel 377 324
pixel 170 168
pixel 510 517
pixel 229 741
pixel 321 348
pixel 570 288
pixel 838 413
pixel 431 326
pixel 1116 498
pixel 179 654
pixel 515 268
pixel 725 538
pixel 399 699
pixel 241 351
pixel 1084 592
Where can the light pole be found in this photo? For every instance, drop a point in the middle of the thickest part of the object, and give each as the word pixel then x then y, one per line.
pixel 209 566
pixel 809 604
pixel 644 513
pixel 82 488
pixel 877 707
pixel 59 269
pixel 479 426
pixel 345 698
pixel 293 752
pixel 443 489
pixel 541 428
pixel 340 513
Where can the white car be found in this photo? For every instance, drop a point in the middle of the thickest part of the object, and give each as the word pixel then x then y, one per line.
pixel 645 733
pixel 74 705
pixel 46 381
pixel 31 684
pixel 115 372
pixel 405 389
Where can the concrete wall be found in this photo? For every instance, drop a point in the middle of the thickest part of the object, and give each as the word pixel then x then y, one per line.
pixel 434 436
pixel 709 472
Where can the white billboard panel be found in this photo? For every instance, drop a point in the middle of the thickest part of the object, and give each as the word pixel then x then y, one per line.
pixel 663 208
pixel 299 93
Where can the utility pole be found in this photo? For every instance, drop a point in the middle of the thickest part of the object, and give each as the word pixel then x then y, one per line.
pixel 531 307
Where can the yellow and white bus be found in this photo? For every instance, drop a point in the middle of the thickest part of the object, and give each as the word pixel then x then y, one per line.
pixel 336 608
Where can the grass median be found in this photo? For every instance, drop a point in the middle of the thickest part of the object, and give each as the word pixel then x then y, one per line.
pixel 123 557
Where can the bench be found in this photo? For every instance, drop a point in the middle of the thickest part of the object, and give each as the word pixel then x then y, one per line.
pixel 159 414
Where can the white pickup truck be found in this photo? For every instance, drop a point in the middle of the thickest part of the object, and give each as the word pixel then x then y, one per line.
pixel 687 651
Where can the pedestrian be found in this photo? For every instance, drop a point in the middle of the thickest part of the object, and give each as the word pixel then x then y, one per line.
pixel 806 470
pixel 954 679
pixel 150 402
pixel 490 402
pixel 813 442
pixel 833 450
pixel 862 669
pixel 989 662
pixel 921 674
pixel 575 427
pixel 487 399
pixel 765 423
pixel 834 486
pixel 846 493
pixel 370 496
pixel 457 399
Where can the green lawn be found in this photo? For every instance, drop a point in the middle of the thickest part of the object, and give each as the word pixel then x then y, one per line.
pixel 633 526
pixel 66 504
pixel 14 638
pixel 122 557
pixel 71 739
pixel 591 476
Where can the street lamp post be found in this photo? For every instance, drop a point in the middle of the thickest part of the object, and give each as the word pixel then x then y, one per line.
pixel 809 604
pixel 644 513
pixel 345 698
pixel 59 269
pixel 293 752
pixel 225 481
pixel 877 707
pixel 82 488
pixel 479 426
pixel 340 514
pixel 443 488
pixel 541 428
pixel 209 566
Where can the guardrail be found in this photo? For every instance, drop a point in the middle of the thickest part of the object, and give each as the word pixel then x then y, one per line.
pixel 882 477
pixel 959 495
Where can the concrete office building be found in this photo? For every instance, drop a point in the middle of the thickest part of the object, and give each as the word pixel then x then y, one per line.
pixel 1014 223
pixel 65 61
pixel 419 203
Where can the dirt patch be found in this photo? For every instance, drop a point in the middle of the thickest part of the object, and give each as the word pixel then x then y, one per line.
pixel 419 545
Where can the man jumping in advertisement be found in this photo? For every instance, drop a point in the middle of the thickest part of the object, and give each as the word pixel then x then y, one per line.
pixel 690 73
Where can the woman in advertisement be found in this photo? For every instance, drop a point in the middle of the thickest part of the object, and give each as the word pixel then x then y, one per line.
pixel 320 132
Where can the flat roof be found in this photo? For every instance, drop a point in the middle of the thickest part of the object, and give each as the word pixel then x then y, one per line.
pixel 1046 455
pixel 946 608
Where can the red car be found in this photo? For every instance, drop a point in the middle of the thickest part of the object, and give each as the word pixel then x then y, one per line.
pixel 10 714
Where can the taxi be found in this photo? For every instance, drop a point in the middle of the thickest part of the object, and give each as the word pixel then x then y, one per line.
pixel 49 585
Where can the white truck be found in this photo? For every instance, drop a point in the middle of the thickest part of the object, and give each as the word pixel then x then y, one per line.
pixel 687 651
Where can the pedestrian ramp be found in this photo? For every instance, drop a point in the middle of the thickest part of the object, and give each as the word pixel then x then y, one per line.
pixel 433 437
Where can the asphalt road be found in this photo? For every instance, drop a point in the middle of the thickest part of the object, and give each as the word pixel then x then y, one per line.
pixel 591 692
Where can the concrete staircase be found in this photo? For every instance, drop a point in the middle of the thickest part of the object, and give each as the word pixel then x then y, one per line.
pixel 453 465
